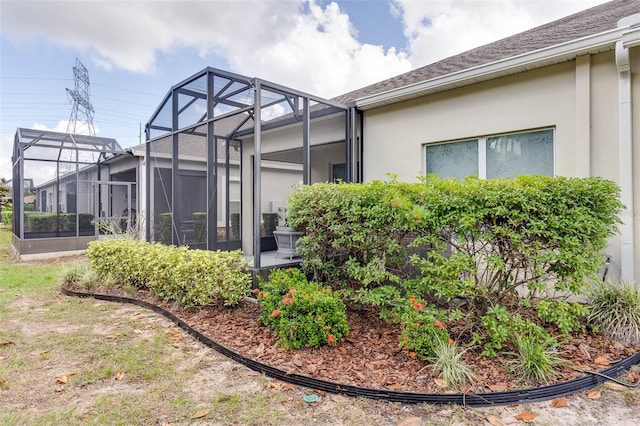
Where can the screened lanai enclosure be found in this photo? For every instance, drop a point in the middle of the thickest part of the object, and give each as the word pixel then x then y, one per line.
pixel 224 151
pixel 77 185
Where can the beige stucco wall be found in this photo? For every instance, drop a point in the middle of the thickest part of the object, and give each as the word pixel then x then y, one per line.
pixel 579 99
pixel 395 135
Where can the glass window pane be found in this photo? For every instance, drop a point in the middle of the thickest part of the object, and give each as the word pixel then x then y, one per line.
pixel 520 154
pixel 453 160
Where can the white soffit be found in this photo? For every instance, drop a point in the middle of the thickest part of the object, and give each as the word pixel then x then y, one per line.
pixel 536 59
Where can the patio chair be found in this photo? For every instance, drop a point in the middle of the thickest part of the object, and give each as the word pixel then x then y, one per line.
pixel 286 241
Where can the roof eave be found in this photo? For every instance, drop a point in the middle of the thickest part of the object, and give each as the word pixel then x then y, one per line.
pixel 536 59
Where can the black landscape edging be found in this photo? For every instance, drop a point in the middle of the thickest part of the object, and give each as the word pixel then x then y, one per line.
pixel 521 396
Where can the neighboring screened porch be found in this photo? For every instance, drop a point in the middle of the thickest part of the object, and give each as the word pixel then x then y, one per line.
pixel 70 189
pixel 205 188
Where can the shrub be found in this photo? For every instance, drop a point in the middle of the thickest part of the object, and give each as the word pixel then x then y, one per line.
pixel 200 226
pixel 490 245
pixel 190 277
pixel 350 230
pixel 301 313
pixel 532 235
pixel 566 316
pixel 166 226
pixel 270 221
pixel 42 222
pixel 447 361
pixel 499 327
pixel 71 273
pixel 615 309
pixel 123 258
pixel 7 217
pixel 536 359
pixel 422 329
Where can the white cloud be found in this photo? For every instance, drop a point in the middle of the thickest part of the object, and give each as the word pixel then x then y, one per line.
pixel 439 29
pixel 60 127
pixel 311 48
pixel 294 42
pixel 322 55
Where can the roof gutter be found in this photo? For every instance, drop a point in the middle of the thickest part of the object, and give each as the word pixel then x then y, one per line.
pixel 625 140
pixel 551 55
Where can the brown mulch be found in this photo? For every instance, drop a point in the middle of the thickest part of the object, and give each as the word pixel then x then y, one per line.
pixel 369 355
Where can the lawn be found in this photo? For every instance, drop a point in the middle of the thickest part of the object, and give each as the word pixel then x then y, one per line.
pixel 80 361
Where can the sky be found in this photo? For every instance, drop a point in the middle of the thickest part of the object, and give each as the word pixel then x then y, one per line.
pixel 135 51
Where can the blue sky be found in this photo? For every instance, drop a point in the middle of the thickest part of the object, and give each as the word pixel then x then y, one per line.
pixel 136 50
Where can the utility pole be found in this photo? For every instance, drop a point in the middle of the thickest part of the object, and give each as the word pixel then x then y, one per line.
pixel 81 120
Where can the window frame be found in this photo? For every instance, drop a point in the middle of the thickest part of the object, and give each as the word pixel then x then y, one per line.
pixel 482 149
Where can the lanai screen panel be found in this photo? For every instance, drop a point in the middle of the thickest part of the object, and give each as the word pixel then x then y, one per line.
pixel 195 141
pixel 195 161
pixel 62 167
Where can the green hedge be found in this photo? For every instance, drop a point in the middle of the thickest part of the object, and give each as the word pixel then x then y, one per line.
pixel 190 277
pixel 493 238
pixel 48 222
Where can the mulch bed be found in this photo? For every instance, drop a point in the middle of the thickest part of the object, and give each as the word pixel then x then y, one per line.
pixel 369 355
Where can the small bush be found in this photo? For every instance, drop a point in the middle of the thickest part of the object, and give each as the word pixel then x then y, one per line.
pixel 7 217
pixel 447 361
pixel 500 327
pixel 615 309
pixel 72 273
pixel 200 226
pixel 301 313
pixel 166 227
pixel 566 316
pixel 536 359
pixel 422 328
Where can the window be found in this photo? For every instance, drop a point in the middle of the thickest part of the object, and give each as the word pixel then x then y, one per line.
pixel 503 156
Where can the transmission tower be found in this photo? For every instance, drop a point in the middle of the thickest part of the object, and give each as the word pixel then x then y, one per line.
pixel 81 120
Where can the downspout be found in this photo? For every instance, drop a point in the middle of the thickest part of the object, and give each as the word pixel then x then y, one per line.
pixel 625 126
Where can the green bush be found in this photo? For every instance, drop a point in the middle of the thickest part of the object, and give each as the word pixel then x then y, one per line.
pixel 447 361
pixel 200 226
pixel 7 217
pixel 536 359
pixel 166 227
pixel 422 329
pixel 489 241
pixel 566 316
pixel 500 327
pixel 505 234
pixel 301 313
pixel 190 277
pixel 69 220
pixel 270 222
pixel 615 309
pixel 351 232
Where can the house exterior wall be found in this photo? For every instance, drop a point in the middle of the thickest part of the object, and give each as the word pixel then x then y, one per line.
pixel 277 186
pixel 578 99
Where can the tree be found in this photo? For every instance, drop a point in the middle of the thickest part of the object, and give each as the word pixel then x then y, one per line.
pixel 4 191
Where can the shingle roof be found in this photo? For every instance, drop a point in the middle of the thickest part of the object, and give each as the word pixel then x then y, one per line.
pixel 588 22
